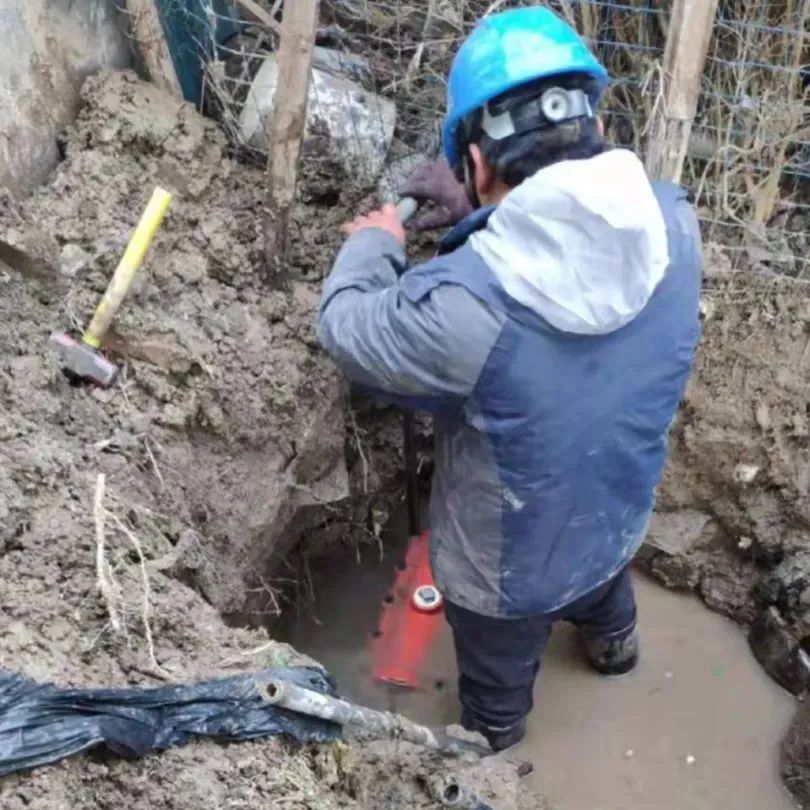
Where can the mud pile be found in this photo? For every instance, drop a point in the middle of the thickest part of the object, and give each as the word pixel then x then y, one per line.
pixel 186 485
pixel 228 426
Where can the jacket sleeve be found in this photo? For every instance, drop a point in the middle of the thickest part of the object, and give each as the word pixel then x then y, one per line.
pixel 426 354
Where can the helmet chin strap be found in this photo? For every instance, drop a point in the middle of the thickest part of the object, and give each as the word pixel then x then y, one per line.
pixel 469 182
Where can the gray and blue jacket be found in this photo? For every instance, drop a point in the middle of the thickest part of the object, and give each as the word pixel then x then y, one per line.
pixel 552 339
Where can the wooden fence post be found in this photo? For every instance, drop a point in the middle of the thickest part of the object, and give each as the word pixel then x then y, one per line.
pixel 286 129
pixel 147 31
pixel 258 14
pixel 688 38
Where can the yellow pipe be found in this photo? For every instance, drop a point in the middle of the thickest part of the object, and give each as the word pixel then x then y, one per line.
pixel 132 259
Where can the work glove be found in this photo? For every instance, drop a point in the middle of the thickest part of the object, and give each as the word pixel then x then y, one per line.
pixel 435 182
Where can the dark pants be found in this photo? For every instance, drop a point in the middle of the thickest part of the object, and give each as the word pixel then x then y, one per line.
pixel 498 659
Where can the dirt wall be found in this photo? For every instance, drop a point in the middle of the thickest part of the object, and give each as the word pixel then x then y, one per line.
pixel 228 428
pixel 733 519
pixel 734 505
pixel 182 487
pixel 49 48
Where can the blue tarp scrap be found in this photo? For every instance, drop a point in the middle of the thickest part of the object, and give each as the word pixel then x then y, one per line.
pixel 194 31
pixel 41 724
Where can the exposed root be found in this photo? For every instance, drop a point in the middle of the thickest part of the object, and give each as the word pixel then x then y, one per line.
pixel 147 593
pixel 272 606
pixel 356 433
pixel 107 584
pixel 153 461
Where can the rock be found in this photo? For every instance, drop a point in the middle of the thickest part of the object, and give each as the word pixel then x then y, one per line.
pixel 172 417
pixel 779 653
pixel 73 260
pixel 676 532
pixel 343 64
pixel 727 589
pixel 707 309
pixel 32 254
pixel 675 572
pixel 157 350
pixel 788 588
pixel 670 539
pixel 796 756
pixel 745 473
pixel 358 125
pixel 763 416
pixel 717 260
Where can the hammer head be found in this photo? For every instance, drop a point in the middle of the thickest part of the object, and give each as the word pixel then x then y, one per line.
pixel 81 361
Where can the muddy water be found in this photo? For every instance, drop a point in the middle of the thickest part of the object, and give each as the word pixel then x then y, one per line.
pixel 696 727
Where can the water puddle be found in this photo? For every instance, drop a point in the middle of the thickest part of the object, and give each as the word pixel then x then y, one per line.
pixel 696 727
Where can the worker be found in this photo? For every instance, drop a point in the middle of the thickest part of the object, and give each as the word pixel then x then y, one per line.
pixel 551 337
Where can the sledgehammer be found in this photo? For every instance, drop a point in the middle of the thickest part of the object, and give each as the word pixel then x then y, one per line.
pixel 82 359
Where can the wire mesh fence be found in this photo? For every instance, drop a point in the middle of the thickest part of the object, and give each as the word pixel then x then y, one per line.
pixel 748 161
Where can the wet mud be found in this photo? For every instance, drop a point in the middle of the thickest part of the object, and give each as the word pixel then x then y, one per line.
pixel 697 726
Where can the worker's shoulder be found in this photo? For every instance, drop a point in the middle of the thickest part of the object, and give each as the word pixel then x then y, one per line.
pixel 463 324
pixel 443 283
pixel 442 286
pixel 452 271
pixel 462 304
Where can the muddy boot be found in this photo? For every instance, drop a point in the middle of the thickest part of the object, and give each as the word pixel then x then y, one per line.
pixel 612 656
pixel 499 739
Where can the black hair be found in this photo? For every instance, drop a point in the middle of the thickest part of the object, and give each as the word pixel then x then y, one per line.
pixel 519 156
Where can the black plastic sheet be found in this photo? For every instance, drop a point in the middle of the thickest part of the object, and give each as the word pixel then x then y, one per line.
pixel 41 723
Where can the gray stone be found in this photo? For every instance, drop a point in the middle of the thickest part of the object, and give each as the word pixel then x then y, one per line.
pixel 50 48
pixel 359 124
pixel 676 533
pixel 796 756
pixel 72 260
pixel 342 63
pixel 675 572
pixel 779 653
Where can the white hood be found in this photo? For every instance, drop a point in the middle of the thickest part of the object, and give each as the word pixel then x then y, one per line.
pixel 582 243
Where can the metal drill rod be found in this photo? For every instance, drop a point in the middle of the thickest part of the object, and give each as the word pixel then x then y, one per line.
pixel 298 699
pixel 411 472
pixel 406 208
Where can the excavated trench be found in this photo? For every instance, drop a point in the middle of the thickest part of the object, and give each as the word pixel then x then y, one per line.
pixel 698 725
pixel 710 716
pixel 231 451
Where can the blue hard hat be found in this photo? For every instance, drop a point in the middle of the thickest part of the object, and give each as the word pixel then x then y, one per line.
pixel 507 50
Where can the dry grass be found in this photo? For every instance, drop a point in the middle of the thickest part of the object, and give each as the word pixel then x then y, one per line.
pixel 753 119
pixel 747 165
pixel 749 154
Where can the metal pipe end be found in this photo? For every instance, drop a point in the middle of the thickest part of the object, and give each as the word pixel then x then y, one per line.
pixel 451 795
pixel 273 692
pixel 446 791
